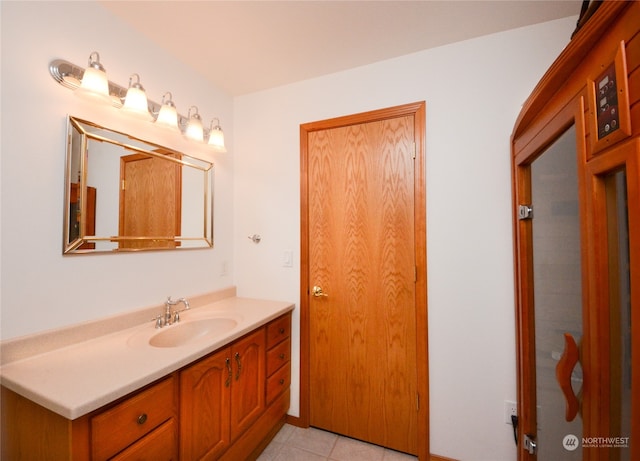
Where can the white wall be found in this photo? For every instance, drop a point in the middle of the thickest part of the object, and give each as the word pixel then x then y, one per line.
pixel 41 289
pixel 473 91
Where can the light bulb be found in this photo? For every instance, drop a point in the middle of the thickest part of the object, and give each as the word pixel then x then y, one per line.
pixel 216 137
pixel 194 130
pixel 135 103
pixel 168 115
pixel 94 83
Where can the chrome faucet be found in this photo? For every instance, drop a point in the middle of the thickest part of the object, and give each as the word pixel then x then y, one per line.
pixel 171 316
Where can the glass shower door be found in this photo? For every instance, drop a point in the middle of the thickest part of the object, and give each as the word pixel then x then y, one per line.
pixel 557 290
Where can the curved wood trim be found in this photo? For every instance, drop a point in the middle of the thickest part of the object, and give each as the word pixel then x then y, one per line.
pixel 570 58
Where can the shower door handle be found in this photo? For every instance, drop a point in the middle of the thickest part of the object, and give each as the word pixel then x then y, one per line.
pixel 564 369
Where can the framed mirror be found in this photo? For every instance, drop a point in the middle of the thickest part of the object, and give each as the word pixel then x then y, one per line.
pixel 126 194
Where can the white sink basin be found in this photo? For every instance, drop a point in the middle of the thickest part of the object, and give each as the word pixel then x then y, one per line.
pixel 194 327
pixel 187 332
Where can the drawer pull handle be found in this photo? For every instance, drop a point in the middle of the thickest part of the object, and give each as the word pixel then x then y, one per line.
pixel 227 383
pixel 142 418
pixel 281 382
pixel 239 363
pixel 282 356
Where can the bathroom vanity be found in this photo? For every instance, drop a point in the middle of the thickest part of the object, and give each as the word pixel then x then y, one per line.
pixel 213 386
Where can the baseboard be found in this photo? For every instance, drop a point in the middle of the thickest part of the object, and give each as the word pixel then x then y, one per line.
pixel 295 421
pixel 440 458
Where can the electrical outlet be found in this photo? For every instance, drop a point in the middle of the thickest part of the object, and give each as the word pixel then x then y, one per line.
pixel 510 409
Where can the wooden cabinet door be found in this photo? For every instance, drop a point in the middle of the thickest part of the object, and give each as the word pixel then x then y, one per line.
pixel 248 387
pixel 204 407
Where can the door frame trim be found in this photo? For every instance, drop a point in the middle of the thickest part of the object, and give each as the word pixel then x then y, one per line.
pixel 418 111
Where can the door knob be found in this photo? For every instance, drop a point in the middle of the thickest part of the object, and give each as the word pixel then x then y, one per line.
pixel 317 292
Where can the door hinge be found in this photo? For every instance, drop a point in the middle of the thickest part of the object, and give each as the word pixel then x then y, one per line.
pixel 530 444
pixel 417 402
pixel 413 151
pixel 122 184
pixel 525 212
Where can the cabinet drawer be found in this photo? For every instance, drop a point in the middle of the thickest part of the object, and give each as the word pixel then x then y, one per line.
pixel 123 424
pixel 278 356
pixel 278 382
pixel 278 330
pixel 159 445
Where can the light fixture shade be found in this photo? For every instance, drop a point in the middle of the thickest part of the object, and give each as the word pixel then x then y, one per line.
pixel 94 83
pixel 216 137
pixel 168 115
pixel 194 130
pixel 135 103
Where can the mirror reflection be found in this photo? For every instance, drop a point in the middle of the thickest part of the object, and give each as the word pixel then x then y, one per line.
pixel 125 194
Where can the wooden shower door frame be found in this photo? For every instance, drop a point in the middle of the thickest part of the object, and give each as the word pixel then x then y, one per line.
pixel 418 111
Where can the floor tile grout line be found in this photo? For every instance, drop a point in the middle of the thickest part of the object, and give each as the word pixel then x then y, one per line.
pixel 285 439
pixel 333 447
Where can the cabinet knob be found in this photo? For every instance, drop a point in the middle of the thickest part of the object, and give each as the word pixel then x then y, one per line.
pixel 282 356
pixel 281 382
pixel 281 331
pixel 142 418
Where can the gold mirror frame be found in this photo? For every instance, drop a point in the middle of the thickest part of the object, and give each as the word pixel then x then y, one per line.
pixel 126 194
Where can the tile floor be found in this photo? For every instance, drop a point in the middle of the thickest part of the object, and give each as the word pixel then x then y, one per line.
pixel 297 444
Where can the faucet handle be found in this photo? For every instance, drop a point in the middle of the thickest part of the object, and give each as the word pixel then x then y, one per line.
pixel 176 316
pixel 159 321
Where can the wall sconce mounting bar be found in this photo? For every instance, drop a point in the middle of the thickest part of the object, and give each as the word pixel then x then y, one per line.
pixel 70 75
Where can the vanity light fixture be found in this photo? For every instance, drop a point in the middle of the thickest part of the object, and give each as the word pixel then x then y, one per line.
pixel 93 83
pixel 168 115
pixel 216 136
pixel 135 103
pixel 194 129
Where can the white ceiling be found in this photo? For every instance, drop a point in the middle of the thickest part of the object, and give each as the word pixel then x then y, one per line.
pixel 246 46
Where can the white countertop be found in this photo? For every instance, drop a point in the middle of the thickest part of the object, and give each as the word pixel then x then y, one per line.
pixel 79 378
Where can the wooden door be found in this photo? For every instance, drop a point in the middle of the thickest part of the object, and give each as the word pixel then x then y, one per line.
pixel 204 407
pixel 150 201
pixel 248 384
pixel 76 217
pixel 361 273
